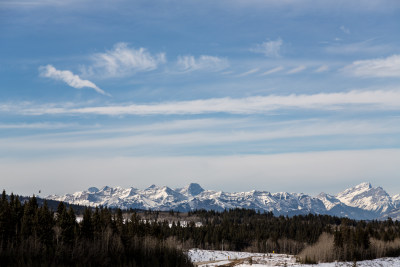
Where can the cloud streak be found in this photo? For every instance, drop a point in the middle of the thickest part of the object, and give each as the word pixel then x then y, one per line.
pixel 296 70
pixel 249 72
pixel 69 78
pixel 271 71
pixel 322 68
pixel 39 126
pixel 384 100
pixel 207 132
pixel 380 67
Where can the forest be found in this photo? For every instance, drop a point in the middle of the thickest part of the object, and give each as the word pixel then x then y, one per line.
pixel 36 235
pixel 33 235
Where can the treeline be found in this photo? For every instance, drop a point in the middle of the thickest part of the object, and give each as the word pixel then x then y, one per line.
pixel 33 235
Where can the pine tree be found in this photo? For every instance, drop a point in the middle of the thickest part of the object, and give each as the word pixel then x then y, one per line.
pixel 87 225
pixel 29 219
pixel 45 225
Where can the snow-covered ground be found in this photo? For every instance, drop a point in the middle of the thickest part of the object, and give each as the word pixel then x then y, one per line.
pixel 208 258
pixel 217 258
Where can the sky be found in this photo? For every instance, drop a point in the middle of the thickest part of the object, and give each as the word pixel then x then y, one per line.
pixel 274 95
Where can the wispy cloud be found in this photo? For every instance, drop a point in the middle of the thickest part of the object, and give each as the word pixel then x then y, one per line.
pixel 37 3
pixel 269 48
pixel 68 77
pixel 297 69
pixel 322 68
pixel 344 29
pixel 227 72
pixel 39 126
pixel 123 60
pixel 203 62
pixel 380 67
pixel 379 99
pixel 249 72
pixel 179 135
pixel 268 72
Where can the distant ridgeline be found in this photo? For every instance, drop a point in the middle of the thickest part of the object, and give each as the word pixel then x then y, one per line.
pixel 33 235
pixel 51 204
pixel 361 202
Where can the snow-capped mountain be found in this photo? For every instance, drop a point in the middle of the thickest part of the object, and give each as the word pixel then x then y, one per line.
pixel 360 202
pixel 366 197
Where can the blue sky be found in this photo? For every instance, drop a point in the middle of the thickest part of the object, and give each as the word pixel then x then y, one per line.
pixel 235 95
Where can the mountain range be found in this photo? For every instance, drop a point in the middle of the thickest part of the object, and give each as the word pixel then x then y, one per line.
pixel 361 202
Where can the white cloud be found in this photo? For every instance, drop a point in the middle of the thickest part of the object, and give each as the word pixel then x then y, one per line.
pixel 277 69
pixel 379 99
pixel 68 77
pixel 380 67
pixel 344 29
pixel 204 62
pixel 322 68
pixel 123 60
pixel 249 72
pixel 297 69
pixel 269 48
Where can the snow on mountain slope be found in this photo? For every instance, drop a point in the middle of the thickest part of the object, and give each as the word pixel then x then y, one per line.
pixel 396 200
pixel 359 202
pixel 192 189
pixel 328 200
pixel 366 197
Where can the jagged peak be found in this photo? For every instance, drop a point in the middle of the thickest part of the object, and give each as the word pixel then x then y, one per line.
pixel 167 189
pixel 366 185
pixel 355 190
pixel 93 189
pixel 153 186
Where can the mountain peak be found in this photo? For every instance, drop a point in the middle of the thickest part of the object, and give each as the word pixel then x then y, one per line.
pixel 363 185
pixel 93 189
pixel 367 197
pixel 356 190
pixel 152 186
pixel 193 189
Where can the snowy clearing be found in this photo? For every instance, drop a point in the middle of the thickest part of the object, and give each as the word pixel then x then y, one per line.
pixel 209 258
pixel 221 258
